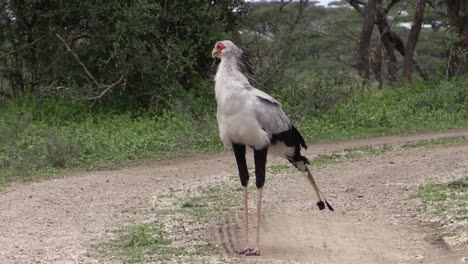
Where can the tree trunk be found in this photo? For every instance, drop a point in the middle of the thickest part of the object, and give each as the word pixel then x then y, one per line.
pixel 413 39
pixel 376 63
pixel 365 38
pixel 458 20
pixel 386 39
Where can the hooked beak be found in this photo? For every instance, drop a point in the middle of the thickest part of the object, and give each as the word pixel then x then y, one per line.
pixel 214 53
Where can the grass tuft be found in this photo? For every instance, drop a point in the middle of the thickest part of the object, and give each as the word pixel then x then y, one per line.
pixel 448 201
pixel 142 242
pixel 350 154
pixel 212 201
pixel 42 136
pixel 165 239
pixel 438 141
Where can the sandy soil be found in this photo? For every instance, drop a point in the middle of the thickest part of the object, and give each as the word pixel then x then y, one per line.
pixel 57 221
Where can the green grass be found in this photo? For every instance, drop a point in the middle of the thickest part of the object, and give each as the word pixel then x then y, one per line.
pixel 148 242
pixel 446 201
pixel 438 141
pixel 336 157
pixel 438 237
pixel 142 242
pixel 44 137
pixel 279 168
pixel 420 106
pixel 349 154
pixel 212 201
pixel 33 146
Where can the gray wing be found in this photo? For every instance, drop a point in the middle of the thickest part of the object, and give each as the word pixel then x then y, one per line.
pixel 269 113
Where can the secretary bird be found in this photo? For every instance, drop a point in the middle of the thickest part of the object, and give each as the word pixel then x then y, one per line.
pixel 249 117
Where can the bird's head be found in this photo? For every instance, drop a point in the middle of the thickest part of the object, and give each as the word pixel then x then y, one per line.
pixel 225 48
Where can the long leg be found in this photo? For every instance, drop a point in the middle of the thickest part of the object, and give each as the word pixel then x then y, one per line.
pixel 260 157
pixel 239 152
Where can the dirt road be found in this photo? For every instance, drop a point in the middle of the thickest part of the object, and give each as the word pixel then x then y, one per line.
pixel 57 221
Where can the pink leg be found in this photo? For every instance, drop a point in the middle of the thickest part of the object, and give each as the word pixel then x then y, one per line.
pixel 256 252
pixel 246 248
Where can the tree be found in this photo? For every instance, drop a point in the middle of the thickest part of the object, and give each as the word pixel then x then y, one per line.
pixel 144 49
pixel 413 39
pixel 389 38
pixel 365 38
pixel 457 12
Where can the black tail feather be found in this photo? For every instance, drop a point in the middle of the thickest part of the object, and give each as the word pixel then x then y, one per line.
pixel 292 138
pixel 321 205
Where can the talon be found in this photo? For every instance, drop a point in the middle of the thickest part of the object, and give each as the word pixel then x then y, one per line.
pixel 253 253
pixel 245 251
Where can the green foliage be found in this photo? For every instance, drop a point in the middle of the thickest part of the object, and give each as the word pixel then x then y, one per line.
pixel 409 108
pixel 17 140
pixel 152 242
pixel 438 141
pixel 350 154
pixel 142 242
pixel 45 135
pixel 144 235
pixel 212 201
pixel 60 134
pixel 312 96
pixel 161 48
pixel 447 201
pixel 60 151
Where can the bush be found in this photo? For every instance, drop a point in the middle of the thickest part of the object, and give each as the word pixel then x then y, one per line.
pixel 60 151
pixel 408 108
pixel 45 134
pixel 67 134
pixel 314 96
pixel 154 47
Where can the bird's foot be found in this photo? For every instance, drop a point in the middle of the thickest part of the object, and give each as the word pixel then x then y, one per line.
pixel 245 251
pixel 253 252
pixel 249 252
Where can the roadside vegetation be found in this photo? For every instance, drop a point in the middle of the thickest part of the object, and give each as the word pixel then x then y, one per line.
pixel 82 91
pixel 43 136
pixel 446 204
pixel 178 220
pixel 177 229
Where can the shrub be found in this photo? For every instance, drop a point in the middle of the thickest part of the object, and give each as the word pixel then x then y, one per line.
pixel 60 151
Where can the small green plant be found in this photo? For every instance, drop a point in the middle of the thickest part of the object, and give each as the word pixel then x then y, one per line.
pixel 279 168
pixel 448 204
pixel 438 141
pixel 77 135
pixel 448 200
pixel 350 154
pixel 438 237
pixel 212 201
pixel 148 242
pixel 142 242
pixel 14 125
pixel 60 151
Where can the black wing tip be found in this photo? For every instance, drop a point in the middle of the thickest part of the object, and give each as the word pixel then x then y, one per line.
pixel 321 206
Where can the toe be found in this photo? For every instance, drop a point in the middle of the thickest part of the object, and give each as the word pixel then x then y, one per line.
pixel 253 253
pixel 245 251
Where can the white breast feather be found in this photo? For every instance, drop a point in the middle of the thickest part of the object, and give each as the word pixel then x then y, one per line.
pixel 246 115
